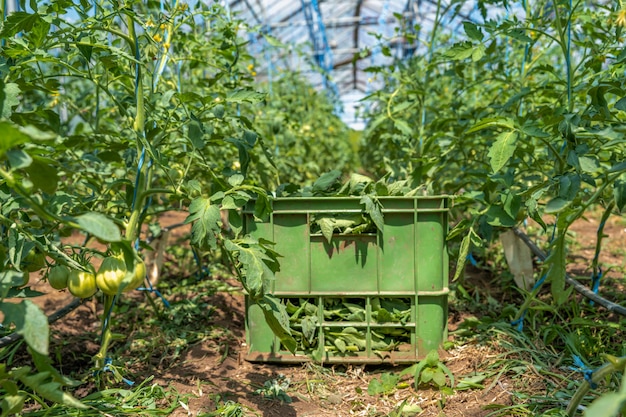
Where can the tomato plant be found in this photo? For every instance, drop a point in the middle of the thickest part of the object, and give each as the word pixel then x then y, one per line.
pixel 517 117
pixel 100 135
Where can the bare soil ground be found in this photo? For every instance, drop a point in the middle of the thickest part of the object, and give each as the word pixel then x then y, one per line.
pixel 212 370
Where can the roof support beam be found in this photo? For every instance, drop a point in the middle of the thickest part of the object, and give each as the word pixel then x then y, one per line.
pixel 321 49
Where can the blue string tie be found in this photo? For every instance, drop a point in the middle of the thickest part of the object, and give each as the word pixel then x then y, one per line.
pixel 472 260
pixel 579 366
pixel 108 362
pixel 153 290
pixel 519 323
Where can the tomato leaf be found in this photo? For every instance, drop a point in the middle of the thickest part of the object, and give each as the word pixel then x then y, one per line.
pixel 9 93
pixel 556 205
pixel 326 181
pixel 619 192
pixel 372 208
pixel 278 320
pixel 206 218
pixel 43 175
pixel 100 226
pixel 243 96
pixel 11 136
pixel 473 31
pixel 502 150
pixel 30 321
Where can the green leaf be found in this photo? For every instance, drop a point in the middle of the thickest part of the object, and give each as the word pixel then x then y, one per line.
pixel 463 253
pixel 244 154
pixel 439 378
pixel 326 181
pixel 403 127
pixel 50 390
pixel 99 225
pixel 30 321
pixel 11 137
pixel 432 358
pixel 206 218
pixel 610 404
pixel 278 320
pixel 10 279
pixel 460 51
pixel 502 150
pixel 243 96
pixel 386 385
pixel 196 134
pixel 472 382
pixel 18 22
pixel 520 35
pixel 235 180
pixel 621 104
pixel 589 164
pixel 9 93
pixel 327 225
pixel 556 271
pixel 372 208
pixel 503 122
pixel 473 31
pixel 43 174
pixel 497 216
pixel 478 53
pixel 619 192
pixel 556 205
pixel 12 404
pixel 18 159
pixel 427 375
pixel 256 272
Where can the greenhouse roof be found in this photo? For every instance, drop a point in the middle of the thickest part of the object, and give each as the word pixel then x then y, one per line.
pixel 340 38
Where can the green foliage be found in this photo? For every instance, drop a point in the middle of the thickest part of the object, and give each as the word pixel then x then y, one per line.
pixel 304 136
pixel 101 136
pixel 430 371
pixel 609 404
pixel 385 385
pixel 517 117
pixel 276 390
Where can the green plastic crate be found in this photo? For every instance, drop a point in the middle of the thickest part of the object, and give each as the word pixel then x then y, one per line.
pixel 407 262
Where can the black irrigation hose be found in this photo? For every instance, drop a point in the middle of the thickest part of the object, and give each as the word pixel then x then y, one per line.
pixel 580 288
pixel 14 337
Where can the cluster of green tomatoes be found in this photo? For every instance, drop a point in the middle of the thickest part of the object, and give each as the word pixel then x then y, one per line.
pixel 113 277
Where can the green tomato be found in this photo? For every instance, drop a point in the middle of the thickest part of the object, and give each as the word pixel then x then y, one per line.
pixel 82 284
pixel 111 275
pixel 57 277
pixel 139 274
pixel 34 261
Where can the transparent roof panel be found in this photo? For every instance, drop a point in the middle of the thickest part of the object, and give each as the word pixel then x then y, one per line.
pixel 340 38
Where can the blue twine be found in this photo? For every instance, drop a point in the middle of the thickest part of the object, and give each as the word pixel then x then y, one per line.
pixel 471 259
pixel 582 368
pixel 203 271
pixel 142 158
pixel 153 290
pixel 108 368
pixel 519 323
pixel 568 61
pixel 595 278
